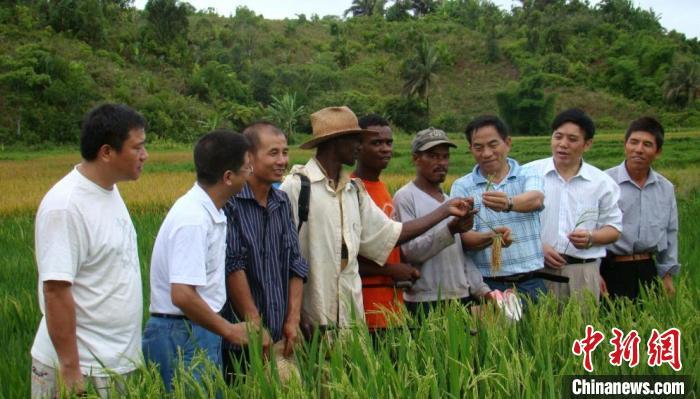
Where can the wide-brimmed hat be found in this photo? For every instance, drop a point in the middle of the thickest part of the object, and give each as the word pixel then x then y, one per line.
pixel 330 123
pixel 429 138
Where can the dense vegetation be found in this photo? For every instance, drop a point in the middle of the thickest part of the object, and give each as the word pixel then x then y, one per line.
pixel 417 62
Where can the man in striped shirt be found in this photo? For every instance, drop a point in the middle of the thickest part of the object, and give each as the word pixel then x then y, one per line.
pixel 265 272
pixel 580 215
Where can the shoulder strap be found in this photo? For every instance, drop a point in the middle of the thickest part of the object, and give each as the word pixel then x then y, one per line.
pixel 304 199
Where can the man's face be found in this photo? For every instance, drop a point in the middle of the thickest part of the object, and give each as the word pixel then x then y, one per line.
pixel 568 144
pixel 236 180
pixel 127 163
pixel 432 164
pixel 489 150
pixel 271 157
pixel 377 147
pixel 348 148
pixel 641 149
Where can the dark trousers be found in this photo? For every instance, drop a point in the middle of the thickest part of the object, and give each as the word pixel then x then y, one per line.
pixel 625 279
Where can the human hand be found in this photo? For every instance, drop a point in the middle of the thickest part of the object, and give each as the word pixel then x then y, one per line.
pixel 603 287
pixel 402 272
pixel 73 379
pixel 552 259
pixel 292 336
pixel 668 284
pixel 505 235
pixel 458 207
pixel 496 200
pixel 581 238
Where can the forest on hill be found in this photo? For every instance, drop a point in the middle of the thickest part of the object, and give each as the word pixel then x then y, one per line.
pixel 418 62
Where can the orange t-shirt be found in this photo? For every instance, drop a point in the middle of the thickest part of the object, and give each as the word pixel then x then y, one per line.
pixel 378 292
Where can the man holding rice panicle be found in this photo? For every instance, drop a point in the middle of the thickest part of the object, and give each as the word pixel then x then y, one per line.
pixel 580 213
pixel 505 195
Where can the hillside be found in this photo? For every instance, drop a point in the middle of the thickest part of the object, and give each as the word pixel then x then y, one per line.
pixel 190 71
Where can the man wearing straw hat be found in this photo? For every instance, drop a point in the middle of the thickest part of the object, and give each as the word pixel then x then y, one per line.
pixel 343 221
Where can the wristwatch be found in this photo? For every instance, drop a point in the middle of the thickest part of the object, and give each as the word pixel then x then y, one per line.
pixel 509 207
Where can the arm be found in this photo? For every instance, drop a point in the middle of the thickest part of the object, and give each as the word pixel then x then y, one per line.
pixel 61 325
pixel 458 207
pixel 667 260
pixel 193 306
pixel 240 296
pixel 290 330
pixel 583 239
pixel 396 271
pixel 529 201
pixel 427 245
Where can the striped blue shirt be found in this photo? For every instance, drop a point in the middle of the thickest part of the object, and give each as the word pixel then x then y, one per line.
pixel 264 242
pixel 525 254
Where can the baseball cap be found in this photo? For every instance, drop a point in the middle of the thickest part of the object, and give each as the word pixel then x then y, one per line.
pixel 429 138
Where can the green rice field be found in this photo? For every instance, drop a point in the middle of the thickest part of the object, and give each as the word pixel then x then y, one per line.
pixel 435 357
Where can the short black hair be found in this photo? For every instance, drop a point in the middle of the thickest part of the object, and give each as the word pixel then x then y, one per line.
pixel 252 132
pixel 108 124
pixel 649 125
pixel 487 120
pixel 219 151
pixel 577 117
pixel 372 120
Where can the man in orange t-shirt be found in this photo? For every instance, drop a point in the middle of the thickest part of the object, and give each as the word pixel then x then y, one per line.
pixel 379 290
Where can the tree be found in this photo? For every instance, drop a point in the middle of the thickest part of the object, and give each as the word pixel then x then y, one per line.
pixel 525 106
pixel 168 19
pixel 420 72
pixel 423 7
pixel 682 84
pixel 285 112
pixel 365 8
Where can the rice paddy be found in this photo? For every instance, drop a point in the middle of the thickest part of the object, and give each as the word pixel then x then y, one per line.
pixel 437 357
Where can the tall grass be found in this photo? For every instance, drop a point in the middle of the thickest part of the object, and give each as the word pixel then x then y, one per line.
pixel 434 357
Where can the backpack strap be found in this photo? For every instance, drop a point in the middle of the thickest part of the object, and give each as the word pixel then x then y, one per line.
pixel 304 199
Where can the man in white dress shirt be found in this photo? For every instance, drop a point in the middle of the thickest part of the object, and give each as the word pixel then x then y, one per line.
pixel 580 215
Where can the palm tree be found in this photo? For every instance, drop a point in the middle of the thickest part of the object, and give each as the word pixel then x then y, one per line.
pixel 365 7
pixel 420 72
pixel 285 112
pixel 682 85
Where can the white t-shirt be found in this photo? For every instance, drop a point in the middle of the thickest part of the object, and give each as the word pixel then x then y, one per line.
pixel 84 235
pixel 190 249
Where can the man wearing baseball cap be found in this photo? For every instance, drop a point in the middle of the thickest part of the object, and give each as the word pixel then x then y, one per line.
pixel 446 273
pixel 343 221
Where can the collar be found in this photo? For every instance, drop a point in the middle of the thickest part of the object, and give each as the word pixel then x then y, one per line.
pixel 584 171
pixel 514 169
pixel 315 172
pixel 273 197
pixel 624 176
pixel 217 215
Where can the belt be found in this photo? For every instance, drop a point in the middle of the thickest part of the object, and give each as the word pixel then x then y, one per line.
pixel 632 258
pixel 572 260
pixel 169 316
pixel 521 277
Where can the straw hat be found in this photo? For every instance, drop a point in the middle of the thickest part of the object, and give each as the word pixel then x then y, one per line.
pixel 330 123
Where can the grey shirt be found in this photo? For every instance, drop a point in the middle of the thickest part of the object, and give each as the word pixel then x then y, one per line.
pixel 446 273
pixel 649 219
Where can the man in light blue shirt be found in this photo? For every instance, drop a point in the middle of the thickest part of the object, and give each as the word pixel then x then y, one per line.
pixel 506 195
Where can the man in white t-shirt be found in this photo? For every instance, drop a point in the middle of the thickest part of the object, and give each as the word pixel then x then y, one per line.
pixel 89 273
pixel 188 264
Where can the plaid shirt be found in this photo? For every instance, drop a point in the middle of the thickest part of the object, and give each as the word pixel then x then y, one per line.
pixel 525 254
